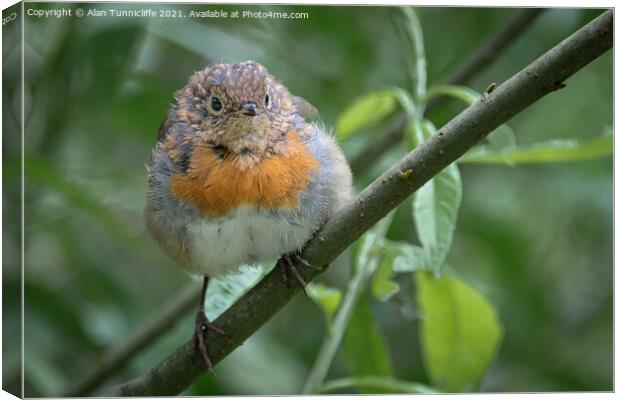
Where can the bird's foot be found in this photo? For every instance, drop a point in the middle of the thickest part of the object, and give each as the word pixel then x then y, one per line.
pixel 287 264
pixel 202 326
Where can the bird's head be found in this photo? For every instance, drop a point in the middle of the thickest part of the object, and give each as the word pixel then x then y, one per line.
pixel 241 108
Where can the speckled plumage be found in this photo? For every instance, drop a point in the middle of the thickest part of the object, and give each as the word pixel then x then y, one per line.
pixel 298 177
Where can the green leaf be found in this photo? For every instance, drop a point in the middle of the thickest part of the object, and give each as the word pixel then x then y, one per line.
pixel 224 291
pixel 364 346
pixel 435 209
pixel 463 93
pixel 404 99
pixel 543 152
pixel 327 298
pixel 365 112
pixel 500 138
pixel 415 134
pixel 382 286
pixel 407 257
pixel 416 57
pixel 460 331
pixel 379 384
pixel 366 251
pixel 360 253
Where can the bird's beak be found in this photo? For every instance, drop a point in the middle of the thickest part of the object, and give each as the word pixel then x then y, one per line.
pixel 249 109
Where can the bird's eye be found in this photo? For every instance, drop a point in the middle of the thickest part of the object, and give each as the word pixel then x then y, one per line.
pixel 267 100
pixel 216 104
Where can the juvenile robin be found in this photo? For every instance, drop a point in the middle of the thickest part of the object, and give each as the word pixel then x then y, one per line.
pixel 239 177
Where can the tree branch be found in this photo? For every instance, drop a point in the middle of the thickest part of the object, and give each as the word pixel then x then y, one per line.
pixel 241 320
pixel 477 62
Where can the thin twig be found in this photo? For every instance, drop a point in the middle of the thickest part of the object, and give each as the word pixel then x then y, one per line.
pixel 356 287
pixel 485 55
pixel 153 329
pixel 547 74
pixel 475 64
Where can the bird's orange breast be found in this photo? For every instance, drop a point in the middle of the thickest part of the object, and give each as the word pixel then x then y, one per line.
pixel 217 185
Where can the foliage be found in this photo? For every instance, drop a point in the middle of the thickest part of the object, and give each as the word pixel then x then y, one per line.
pixel 531 244
pixel 460 332
pixel 365 347
pixel 365 113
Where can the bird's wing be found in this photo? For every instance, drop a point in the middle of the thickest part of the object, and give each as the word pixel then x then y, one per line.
pixel 165 125
pixel 304 108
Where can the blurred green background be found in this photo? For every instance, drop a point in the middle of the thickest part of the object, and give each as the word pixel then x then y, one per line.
pixel 536 240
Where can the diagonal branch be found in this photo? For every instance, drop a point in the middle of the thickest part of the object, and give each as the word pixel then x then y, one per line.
pixel 547 74
pixel 476 63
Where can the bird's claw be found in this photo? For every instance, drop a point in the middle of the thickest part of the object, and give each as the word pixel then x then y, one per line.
pixel 202 326
pixel 288 267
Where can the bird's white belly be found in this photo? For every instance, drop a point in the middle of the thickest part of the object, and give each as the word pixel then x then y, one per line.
pixel 246 236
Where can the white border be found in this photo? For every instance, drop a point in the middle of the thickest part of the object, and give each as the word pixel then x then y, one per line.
pixel 451 3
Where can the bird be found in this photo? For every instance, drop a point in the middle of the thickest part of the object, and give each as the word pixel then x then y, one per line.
pixel 242 173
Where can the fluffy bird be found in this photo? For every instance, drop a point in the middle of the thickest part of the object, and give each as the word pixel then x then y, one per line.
pixel 238 176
